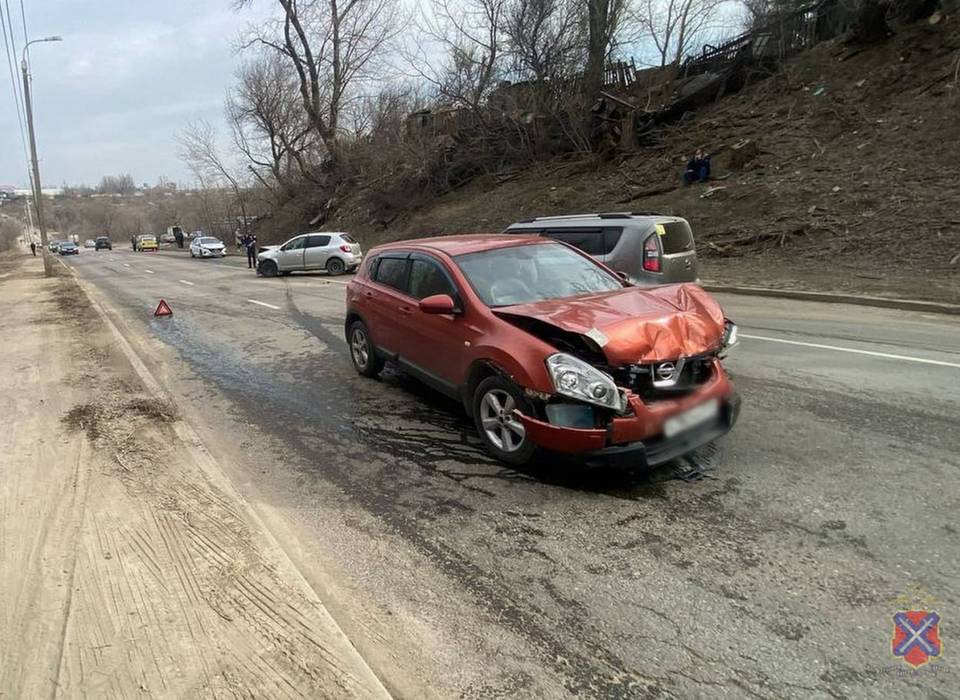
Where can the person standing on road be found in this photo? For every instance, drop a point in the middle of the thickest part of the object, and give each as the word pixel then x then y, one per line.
pixel 178 236
pixel 250 243
pixel 33 248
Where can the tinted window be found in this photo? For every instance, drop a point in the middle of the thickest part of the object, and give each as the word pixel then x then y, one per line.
pixel 295 244
pixel 317 241
pixel 347 238
pixel 527 273
pixel 427 279
pixel 675 237
pixel 593 241
pixel 392 272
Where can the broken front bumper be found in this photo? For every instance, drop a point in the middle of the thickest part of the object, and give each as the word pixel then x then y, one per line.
pixel 637 440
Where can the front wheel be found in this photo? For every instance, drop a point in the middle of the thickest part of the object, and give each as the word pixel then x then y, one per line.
pixel 362 352
pixel 268 268
pixel 504 436
pixel 335 267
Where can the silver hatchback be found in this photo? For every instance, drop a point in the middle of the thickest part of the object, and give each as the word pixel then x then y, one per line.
pixel 648 248
pixel 331 251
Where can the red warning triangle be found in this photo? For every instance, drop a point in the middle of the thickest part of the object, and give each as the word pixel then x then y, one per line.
pixel 163 309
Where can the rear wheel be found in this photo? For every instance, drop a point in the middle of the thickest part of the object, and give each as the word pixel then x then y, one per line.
pixel 335 266
pixel 268 268
pixel 364 357
pixel 504 436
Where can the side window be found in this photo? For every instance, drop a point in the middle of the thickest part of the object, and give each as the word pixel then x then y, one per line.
pixel 593 241
pixel 295 244
pixel 427 279
pixel 589 240
pixel 318 241
pixel 392 272
pixel 611 236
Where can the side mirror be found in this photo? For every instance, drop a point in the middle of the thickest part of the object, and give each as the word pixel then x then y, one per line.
pixel 438 304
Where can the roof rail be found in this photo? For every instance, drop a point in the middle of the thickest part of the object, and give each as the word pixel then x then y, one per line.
pixel 647 213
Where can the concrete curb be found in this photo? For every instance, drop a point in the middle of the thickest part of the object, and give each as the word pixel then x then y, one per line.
pixel 834 298
pixel 342 645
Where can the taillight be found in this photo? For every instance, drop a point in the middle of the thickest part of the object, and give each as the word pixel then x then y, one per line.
pixel 345 248
pixel 651 254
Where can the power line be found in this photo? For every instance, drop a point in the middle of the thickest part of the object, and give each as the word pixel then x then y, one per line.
pixel 11 63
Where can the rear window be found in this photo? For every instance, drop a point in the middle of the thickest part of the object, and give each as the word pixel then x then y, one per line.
pixel 347 237
pixel 392 272
pixel 593 241
pixel 675 237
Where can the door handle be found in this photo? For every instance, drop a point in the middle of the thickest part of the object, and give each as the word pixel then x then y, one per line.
pixel 405 309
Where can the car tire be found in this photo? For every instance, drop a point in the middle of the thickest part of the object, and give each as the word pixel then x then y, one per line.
pixel 268 268
pixel 362 353
pixel 335 267
pixel 502 435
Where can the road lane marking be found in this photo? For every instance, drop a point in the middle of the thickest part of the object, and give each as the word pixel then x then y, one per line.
pixel 126 264
pixel 871 353
pixel 263 303
pixel 189 284
pixel 149 272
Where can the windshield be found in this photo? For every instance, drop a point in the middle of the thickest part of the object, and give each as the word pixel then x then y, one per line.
pixel 528 273
pixel 209 241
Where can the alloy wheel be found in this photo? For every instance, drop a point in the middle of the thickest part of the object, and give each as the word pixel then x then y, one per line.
pixel 360 348
pixel 503 430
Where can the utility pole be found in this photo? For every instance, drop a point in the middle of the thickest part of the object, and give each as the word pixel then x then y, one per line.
pixel 37 191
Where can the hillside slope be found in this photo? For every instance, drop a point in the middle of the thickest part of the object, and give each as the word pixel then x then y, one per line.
pixel 854 185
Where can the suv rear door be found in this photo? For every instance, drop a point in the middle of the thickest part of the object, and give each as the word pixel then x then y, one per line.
pixel 385 299
pixel 679 251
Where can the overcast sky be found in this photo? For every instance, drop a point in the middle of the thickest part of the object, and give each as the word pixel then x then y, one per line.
pixel 112 97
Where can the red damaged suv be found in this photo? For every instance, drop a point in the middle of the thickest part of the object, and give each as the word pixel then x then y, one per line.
pixel 546 347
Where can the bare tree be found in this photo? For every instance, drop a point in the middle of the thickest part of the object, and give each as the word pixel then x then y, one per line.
pixel 331 45
pixel 604 19
pixel 267 122
pixel 675 27
pixel 199 151
pixel 468 35
pixel 545 38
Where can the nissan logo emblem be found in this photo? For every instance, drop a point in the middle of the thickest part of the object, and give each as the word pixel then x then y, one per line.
pixel 666 371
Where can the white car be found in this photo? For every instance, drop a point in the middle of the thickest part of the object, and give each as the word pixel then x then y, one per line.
pixel 89 243
pixel 331 251
pixel 207 247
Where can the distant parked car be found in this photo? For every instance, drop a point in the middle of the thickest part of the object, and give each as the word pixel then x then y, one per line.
pixel 90 243
pixel 207 247
pixel 103 243
pixel 647 248
pixel 168 238
pixel 334 252
pixel 54 246
pixel 68 248
pixel 144 242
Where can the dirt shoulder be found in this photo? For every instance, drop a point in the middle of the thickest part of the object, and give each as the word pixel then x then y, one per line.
pixel 128 563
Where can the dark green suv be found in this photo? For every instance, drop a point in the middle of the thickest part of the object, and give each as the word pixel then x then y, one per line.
pixel 103 242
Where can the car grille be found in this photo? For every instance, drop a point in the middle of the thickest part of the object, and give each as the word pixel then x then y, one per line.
pixel 696 371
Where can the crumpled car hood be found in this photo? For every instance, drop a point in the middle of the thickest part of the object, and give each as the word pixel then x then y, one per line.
pixel 636 325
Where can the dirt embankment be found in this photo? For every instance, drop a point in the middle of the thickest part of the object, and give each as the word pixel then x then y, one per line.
pixel 128 565
pixel 852 186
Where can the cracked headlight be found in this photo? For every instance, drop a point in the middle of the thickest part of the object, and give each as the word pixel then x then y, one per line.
pixel 575 378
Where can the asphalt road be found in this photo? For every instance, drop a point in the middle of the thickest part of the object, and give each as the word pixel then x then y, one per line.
pixel 776 573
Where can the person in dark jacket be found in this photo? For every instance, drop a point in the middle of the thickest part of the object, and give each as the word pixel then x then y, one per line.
pixel 698 168
pixel 33 248
pixel 250 244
